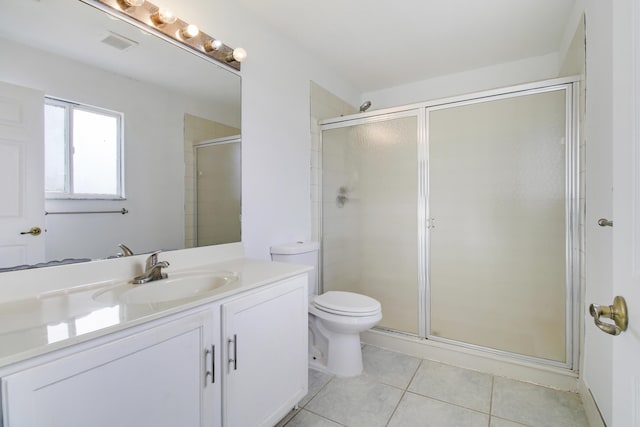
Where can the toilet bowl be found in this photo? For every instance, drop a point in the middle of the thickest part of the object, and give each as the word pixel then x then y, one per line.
pixel 335 318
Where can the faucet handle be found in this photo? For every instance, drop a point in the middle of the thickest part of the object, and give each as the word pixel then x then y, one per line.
pixel 152 260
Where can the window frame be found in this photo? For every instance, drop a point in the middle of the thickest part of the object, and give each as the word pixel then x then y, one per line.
pixel 69 193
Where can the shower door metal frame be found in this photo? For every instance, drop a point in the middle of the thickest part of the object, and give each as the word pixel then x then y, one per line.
pixel 196 146
pixel 572 203
pixel 572 212
pixel 421 153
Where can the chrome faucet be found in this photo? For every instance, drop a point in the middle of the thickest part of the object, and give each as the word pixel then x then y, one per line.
pixel 152 271
pixel 125 250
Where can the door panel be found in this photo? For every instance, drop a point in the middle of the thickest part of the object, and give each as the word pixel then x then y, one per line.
pixel 218 193
pixel 21 175
pixel 151 378
pixel 500 227
pixel 626 210
pixel 265 353
pixel 371 215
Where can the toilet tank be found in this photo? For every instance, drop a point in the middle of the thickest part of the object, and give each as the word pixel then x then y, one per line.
pixel 305 253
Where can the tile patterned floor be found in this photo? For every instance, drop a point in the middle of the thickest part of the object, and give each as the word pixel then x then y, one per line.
pixel 397 390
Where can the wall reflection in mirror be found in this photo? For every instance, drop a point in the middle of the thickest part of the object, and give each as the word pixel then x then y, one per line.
pixel 180 136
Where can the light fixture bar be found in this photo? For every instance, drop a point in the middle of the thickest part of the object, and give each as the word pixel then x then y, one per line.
pixel 161 20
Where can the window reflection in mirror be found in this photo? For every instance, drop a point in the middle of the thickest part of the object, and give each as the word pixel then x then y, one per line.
pixel 82 151
pixel 155 85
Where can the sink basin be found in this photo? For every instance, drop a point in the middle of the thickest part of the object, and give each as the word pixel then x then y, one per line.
pixel 180 286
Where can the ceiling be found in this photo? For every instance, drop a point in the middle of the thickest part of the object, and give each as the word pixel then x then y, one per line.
pixel 384 43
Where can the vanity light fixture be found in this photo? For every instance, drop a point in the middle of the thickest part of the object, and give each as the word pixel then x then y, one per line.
pixel 163 16
pixel 189 31
pixel 238 55
pixel 163 23
pixel 132 3
pixel 211 45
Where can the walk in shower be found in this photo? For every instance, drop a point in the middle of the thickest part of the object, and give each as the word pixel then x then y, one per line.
pixel 460 217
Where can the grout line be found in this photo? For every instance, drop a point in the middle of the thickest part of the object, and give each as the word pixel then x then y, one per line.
pixel 319 390
pixel 449 403
pixel 414 374
pixel 324 417
pixel 300 408
pixel 493 383
pixel 395 408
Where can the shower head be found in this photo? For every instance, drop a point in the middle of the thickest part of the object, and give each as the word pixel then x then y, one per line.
pixel 365 106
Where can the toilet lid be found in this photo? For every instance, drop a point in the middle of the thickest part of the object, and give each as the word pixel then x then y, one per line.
pixel 346 303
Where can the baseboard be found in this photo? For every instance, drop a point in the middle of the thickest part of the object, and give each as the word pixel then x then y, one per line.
pixel 548 376
pixel 590 408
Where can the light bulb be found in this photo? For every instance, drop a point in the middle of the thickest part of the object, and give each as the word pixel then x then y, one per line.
pixel 164 16
pixel 239 54
pixel 211 45
pixel 190 31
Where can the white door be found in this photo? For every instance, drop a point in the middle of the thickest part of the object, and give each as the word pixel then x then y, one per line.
pixel 626 208
pixel 611 366
pixel 21 175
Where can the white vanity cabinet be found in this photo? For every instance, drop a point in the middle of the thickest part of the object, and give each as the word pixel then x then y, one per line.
pixel 154 377
pixel 235 362
pixel 265 353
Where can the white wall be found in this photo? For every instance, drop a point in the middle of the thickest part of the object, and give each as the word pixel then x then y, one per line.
pixel 496 76
pixel 275 121
pixel 154 164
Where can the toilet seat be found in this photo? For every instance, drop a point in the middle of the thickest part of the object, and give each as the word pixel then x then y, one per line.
pixel 346 304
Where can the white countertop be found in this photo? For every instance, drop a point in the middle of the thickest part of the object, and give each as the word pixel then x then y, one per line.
pixel 55 319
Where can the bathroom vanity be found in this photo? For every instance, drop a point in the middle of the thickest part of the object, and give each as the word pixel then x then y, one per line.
pixel 235 355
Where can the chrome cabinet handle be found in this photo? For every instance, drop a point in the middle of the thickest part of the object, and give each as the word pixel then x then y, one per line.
pixel 616 312
pixel 209 373
pixel 235 352
pixel 34 231
pixel 213 364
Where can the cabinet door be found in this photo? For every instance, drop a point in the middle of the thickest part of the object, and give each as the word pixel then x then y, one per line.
pixel 266 354
pixel 151 378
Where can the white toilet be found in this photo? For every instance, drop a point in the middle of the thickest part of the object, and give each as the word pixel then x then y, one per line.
pixel 335 318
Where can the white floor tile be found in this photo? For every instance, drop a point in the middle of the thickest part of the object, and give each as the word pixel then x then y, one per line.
pixel 455 385
pixel 404 391
pixel 536 406
pixel 356 402
pixel 389 367
pixel 499 422
pixel 419 411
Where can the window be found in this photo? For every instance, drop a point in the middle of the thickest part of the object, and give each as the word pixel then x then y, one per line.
pixel 83 151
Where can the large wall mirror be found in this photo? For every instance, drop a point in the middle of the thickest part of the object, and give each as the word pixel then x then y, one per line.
pixel 174 105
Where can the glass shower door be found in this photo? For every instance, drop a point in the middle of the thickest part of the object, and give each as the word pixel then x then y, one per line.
pixel 500 203
pixel 371 215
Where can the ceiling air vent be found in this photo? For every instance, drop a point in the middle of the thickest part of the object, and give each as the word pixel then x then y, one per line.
pixel 118 42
